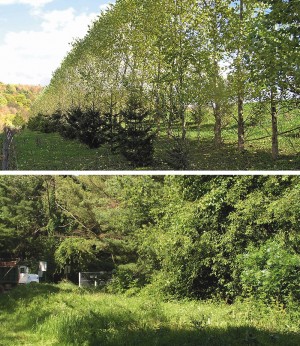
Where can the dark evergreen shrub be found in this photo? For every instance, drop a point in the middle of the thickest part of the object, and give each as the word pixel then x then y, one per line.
pixel 112 130
pixel 92 129
pixel 177 155
pixel 136 137
pixel 89 126
pixel 55 120
pixel 45 123
pixel 66 130
pixel 35 123
pixel 70 123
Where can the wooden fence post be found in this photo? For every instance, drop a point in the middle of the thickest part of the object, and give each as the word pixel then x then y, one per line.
pixel 7 141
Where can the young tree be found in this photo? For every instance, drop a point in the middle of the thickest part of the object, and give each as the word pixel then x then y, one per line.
pixel 274 60
pixel 213 24
pixel 136 138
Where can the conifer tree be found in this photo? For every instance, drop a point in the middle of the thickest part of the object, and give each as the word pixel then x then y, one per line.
pixel 136 137
pixel 88 126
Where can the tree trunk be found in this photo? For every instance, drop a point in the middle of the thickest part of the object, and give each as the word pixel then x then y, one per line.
pixel 216 104
pixel 241 129
pixel 171 112
pixel 198 119
pixel 274 126
pixel 158 113
pixel 111 122
pixel 7 140
pixel 158 107
pixel 182 117
pixel 218 125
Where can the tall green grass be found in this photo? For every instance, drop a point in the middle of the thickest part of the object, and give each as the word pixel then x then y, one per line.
pixel 66 315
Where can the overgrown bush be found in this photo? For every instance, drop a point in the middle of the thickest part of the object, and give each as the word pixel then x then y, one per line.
pixel 126 277
pixel 270 271
pixel 80 253
pixel 46 123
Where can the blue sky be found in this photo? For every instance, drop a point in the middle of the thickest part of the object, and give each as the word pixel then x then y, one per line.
pixel 35 35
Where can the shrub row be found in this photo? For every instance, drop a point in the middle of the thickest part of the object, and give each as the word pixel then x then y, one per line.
pixel 129 132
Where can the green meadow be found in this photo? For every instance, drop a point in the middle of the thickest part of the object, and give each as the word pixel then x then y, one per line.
pixel 63 314
pixel 49 151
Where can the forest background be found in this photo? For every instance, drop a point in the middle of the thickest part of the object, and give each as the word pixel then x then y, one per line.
pixel 175 236
pixel 15 103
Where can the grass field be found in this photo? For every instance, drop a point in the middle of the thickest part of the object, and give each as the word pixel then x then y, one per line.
pixel 40 151
pixel 63 314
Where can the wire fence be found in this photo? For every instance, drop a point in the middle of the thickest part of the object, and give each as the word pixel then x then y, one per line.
pixel 94 279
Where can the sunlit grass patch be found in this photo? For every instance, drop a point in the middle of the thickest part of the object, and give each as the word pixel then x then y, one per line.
pixel 39 151
pixel 67 315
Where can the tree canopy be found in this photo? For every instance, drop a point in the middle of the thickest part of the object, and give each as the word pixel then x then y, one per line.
pixel 178 55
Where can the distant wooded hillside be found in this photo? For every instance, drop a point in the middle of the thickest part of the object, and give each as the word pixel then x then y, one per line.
pixel 15 102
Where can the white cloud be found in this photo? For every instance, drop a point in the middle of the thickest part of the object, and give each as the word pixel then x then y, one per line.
pixel 33 3
pixel 102 7
pixel 30 57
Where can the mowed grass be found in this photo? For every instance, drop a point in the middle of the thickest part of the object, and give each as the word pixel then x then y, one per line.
pixel 43 151
pixel 63 314
pixel 40 151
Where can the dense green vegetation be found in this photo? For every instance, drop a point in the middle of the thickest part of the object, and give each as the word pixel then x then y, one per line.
pixel 15 103
pixel 183 61
pixel 210 260
pixel 184 236
pixel 66 315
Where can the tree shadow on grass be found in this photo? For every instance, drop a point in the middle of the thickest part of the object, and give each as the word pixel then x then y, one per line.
pixel 203 155
pixel 121 325
pixel 9 301
pixel 120 330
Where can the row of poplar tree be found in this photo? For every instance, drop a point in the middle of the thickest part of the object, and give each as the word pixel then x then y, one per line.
pixel 175 236
pixel 178 54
